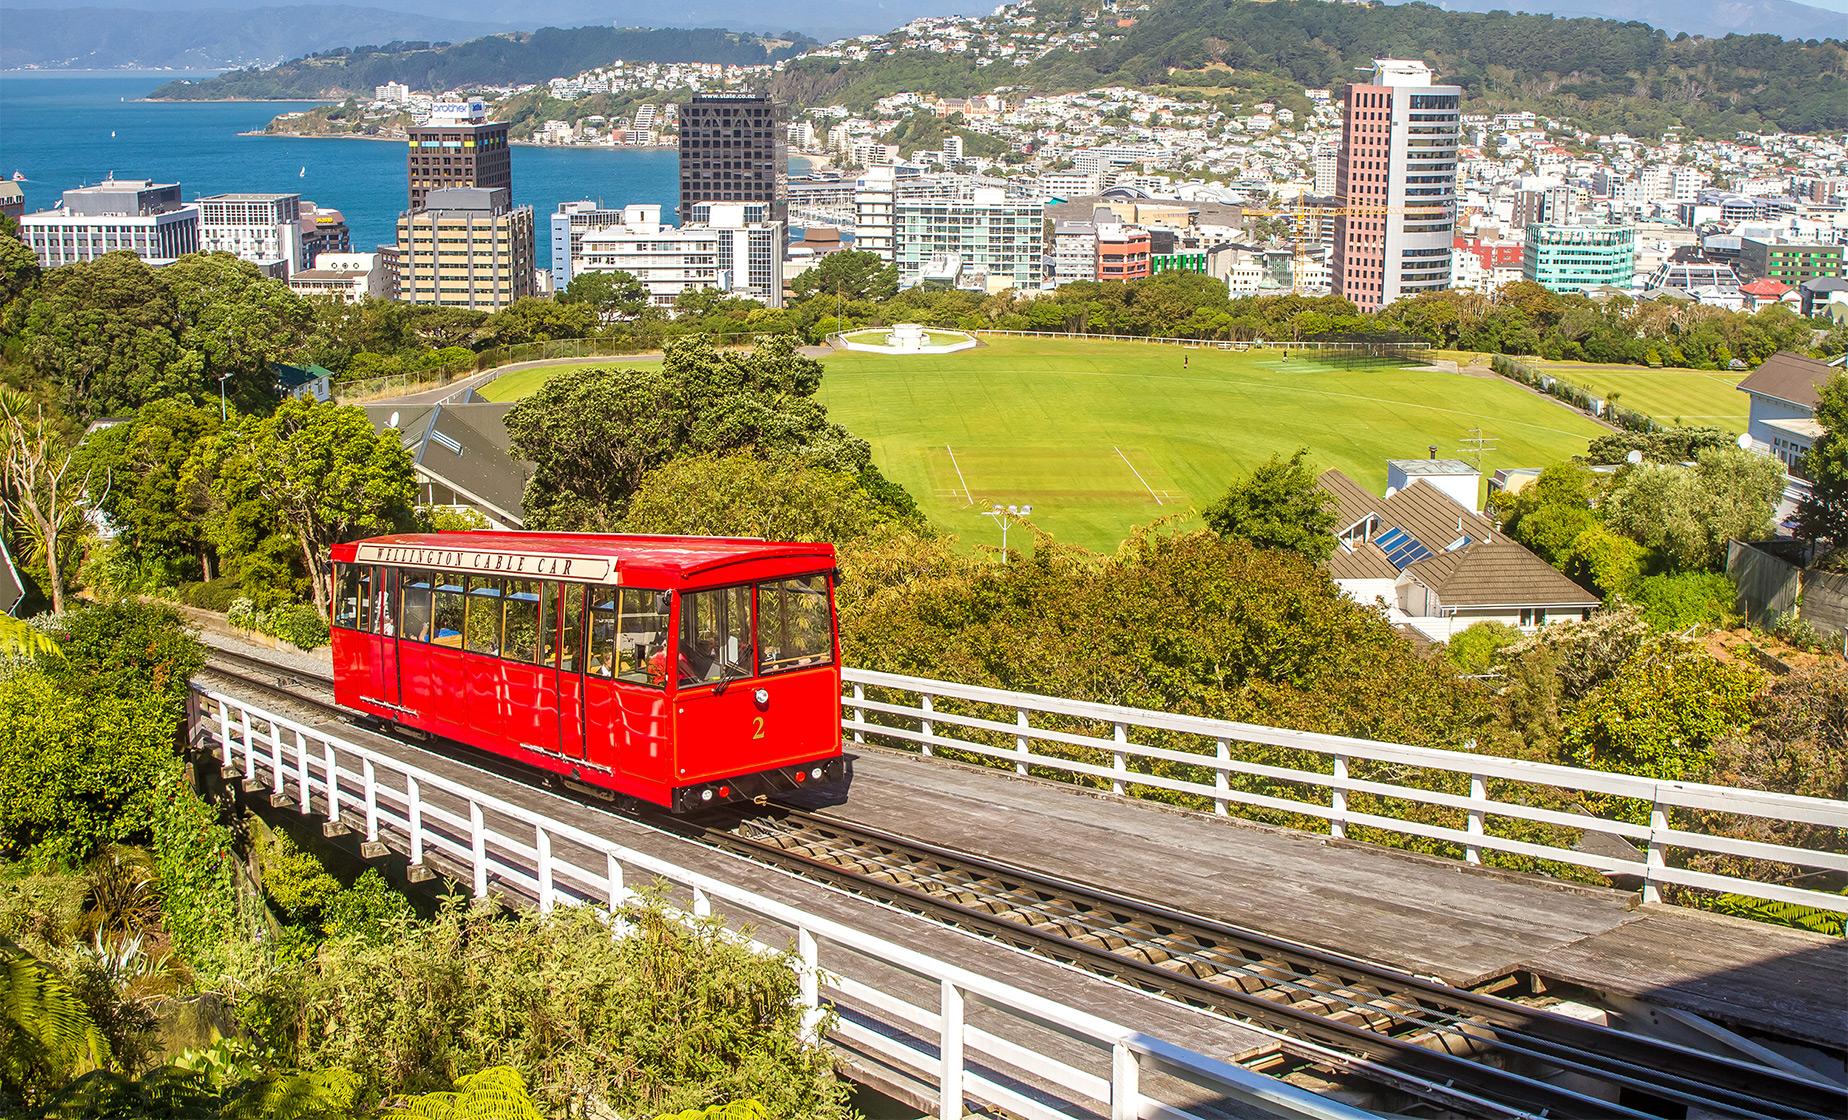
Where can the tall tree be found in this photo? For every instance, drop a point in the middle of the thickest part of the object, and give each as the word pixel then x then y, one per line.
pixel 43 489
pixel 1278 505
pixel 328 474
pixel 850 274
pixel 614 295
pixel 1824 514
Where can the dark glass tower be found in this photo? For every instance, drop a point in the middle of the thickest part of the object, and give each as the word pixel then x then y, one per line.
pixel 732 150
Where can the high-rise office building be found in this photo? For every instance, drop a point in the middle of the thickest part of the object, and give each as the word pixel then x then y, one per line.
pixel 468 247
pixel 1396 178
pixel 458 146
pixel 119 215
pixel 732 149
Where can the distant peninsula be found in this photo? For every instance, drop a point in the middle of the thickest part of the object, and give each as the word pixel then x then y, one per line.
pixel 512 59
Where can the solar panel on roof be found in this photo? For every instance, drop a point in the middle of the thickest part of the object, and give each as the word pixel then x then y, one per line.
pixel 1401 548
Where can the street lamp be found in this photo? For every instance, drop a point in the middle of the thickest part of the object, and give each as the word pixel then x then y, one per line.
pixel 222 416
pixel 1006 516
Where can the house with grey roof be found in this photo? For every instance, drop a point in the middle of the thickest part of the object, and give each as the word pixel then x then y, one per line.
pixel 1427 554
pixel 1784 392
pixel 462 457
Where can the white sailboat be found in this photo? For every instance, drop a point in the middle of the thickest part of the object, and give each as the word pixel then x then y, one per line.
pixel 304 172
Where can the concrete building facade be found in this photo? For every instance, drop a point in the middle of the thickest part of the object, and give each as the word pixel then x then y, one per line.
pixel 987 232
pixel 121 215
pixel 468 247
pixel 265 229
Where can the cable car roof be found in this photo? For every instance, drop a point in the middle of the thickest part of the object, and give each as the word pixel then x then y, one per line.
pixel 610 558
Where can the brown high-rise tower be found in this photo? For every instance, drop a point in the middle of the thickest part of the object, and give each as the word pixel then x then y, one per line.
pixel 457 147
pixel 732 150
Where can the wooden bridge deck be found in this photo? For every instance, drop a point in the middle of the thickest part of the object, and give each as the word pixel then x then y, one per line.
pixel 1436 917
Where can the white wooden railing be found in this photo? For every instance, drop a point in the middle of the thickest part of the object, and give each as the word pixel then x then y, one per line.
pixel 909 712
pixel 997 1064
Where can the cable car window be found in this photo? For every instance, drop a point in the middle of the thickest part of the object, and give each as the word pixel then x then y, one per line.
pixel 600 659
pixel 715 635
pixel 414 610
pixel 571 633
pixel 449 603
pixel 520 635
pixel 795 626
pixel 548 623
pixel 362 587
pixel 641 645
pixel 384 601
pixel 482 631
pixel 346 597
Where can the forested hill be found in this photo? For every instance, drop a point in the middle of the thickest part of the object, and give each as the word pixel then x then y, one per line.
pixel 515 58
pixel 1604 74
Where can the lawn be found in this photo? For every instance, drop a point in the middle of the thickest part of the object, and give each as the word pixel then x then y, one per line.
pixel 523 383
pixel 1686 398
pixel 1103 436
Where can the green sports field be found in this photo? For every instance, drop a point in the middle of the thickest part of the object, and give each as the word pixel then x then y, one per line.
pixel 1684 398
pixel 523 383
pixel 1103 436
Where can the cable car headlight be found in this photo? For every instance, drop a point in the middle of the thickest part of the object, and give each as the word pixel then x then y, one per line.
pixel 705 795
pixel 815 773
pixel 762 696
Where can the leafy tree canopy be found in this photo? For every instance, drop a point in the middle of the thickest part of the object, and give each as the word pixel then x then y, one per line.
pixel 1278 505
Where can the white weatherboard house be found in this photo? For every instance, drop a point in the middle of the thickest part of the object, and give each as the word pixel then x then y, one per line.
pixel 1783 393
pixel 1437 564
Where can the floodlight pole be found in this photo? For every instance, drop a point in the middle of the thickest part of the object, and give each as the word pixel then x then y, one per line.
pixel 1006 516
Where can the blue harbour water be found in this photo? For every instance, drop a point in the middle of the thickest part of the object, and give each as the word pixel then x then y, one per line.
pixel 64 131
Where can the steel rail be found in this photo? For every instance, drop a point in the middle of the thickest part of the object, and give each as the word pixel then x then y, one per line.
pixel 1651 1072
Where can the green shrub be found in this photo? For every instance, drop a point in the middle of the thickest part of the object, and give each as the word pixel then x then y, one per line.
pixel 665 1018
pixel 1478 649
pixel 1679 600
pixel 296 623
pixel 218 595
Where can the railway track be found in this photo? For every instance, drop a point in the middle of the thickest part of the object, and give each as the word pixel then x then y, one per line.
pixel 1463 1051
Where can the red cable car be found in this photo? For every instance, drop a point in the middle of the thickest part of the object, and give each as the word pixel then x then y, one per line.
pixel 682 671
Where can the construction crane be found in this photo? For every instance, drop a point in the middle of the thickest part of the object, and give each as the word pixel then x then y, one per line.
pixel 1302 212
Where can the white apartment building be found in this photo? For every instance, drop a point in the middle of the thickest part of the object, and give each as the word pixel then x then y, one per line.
pixel 1327 156
pixel 1074 252
pixel 751 246
pixel 264 229
pixel 988 232
pixel 722 248
pixel 569 224
pixel 347 277
pixel 874 196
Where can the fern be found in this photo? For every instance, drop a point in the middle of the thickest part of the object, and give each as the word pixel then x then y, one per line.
pixel 496 1093
pixel 1779 913
pixel 50 1031
pixel 737 1110
pixel 17 639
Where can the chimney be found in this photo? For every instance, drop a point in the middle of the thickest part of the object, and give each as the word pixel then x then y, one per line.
pixel 1433 451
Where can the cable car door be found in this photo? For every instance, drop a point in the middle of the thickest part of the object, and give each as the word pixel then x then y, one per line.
pixel 570 662
pixel 384 640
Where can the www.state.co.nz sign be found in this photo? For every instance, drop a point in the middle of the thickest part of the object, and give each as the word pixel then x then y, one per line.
pixel 588 569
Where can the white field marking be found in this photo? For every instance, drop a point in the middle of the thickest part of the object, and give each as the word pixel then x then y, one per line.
pixel 959 474
pixel 1139 478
